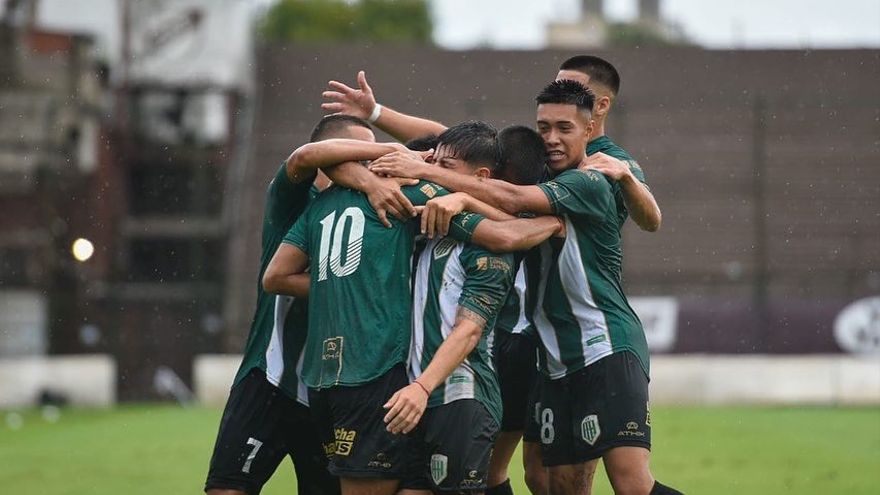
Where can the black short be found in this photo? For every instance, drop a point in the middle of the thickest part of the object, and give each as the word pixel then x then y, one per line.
pixel 514 357
pixel 260 426
pixel 586 413
pixel 532 432
pixel 451 447
pixel 351 423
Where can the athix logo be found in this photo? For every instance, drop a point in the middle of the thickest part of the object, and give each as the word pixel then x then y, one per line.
pixel 590 430
pixel 632 430
pixel 438 468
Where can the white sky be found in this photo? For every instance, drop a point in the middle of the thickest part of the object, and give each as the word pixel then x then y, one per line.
pixel 519 24
pixel 462 24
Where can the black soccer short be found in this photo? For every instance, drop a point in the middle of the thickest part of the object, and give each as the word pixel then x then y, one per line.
pixel 586 413
pixel 260 426
pixel 532 431
pixel 451 447
pixel 352 427
pixel 514 357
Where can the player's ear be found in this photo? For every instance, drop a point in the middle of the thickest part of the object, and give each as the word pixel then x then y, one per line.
pixel 602 106
pixel 588 131
pixel 482 172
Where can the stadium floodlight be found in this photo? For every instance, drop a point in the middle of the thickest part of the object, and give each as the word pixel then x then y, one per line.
pixel 82 249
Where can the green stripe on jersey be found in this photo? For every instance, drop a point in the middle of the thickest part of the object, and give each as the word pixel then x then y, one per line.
pixel 451 275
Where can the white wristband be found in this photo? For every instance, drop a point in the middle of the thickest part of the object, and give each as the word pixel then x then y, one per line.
pixel 377 111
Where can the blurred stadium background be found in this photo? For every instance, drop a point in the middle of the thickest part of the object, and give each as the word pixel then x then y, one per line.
pixel 137 139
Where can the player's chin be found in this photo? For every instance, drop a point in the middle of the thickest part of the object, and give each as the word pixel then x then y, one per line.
pixel 559 165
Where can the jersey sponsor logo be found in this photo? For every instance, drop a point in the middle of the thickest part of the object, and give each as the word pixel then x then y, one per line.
pixel 491 263
pixel 439 467
pixel 559 192
pixel 590 429
pixel 444 247
pixel 648 414
pixel 633 165
pixel 429 190
pixel 343 441
pixel 332 348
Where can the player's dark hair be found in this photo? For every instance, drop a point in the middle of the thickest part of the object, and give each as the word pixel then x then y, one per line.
pixel 567 93
pixel 331 125
pixel 599 70
pixel 523 155
pixel 474 142
pixel 424 143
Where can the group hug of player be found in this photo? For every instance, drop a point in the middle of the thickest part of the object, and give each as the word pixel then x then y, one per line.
pixel 406 337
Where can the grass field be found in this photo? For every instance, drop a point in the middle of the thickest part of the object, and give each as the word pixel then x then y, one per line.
pixel 165 449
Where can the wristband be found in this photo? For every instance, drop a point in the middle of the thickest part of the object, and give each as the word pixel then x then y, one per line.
pixel 423 387
pixel 377 111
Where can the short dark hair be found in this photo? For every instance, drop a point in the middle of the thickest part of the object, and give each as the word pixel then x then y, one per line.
pixel 333 124
pixel 568 93
pixel 424 143
pixel 523 155
pixel 474 142
pixel 599 70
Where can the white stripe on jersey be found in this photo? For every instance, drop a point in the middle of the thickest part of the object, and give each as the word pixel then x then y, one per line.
pixel 519 285
pixel 586 312
pixel 275 350
pixel 460 383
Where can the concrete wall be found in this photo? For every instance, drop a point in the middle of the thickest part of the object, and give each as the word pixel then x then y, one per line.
pixel 691 380
pixel 86 380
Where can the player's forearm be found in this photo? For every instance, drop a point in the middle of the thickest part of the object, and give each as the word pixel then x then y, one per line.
pixel 641 204
pixel 515 235
pixel 474 205
pixel 404 127
pixel 352 175
pixel 333 152
pixel 296 285
pixel 453 351
pixel 497 193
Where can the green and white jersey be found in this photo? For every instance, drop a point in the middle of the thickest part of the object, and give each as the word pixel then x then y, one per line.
pixel 516 313
pixel 450 275
pixel 360 298
pixel 276 338
pixel 607 146
pixel 582 314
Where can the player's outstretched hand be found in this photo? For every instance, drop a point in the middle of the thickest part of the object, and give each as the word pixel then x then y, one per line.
pixel 349 101
pixel 612 167
pixel 409 164
pixel 385 197
pixel 405 408
pixel 438 212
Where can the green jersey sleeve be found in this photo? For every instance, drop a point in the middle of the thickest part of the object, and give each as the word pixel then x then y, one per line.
pixel 580 193
pixel 285 199
pixel 488 280
pixel 463 225
pixel 422 192
pixel 636 170
pixel 298 235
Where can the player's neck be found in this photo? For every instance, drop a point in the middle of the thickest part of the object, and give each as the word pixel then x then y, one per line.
pixel 599 131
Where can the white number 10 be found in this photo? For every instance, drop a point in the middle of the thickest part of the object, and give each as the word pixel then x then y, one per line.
pixel 332 256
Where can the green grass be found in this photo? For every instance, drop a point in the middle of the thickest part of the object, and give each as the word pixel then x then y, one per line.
pixel 164 449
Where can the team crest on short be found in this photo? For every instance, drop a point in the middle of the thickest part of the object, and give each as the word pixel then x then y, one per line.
pixel 590 430
pixel 439 466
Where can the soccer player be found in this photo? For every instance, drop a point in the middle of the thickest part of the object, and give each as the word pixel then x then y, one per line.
pixel 266 417
pixel 360 313
pixel 594 389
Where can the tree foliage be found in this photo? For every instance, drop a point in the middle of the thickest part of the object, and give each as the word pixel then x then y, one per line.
pixel 338 20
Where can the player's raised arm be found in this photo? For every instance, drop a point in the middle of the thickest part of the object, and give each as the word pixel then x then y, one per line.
pixel 361 103
pixel 302 163
pixel 639 201
pixel 383 193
